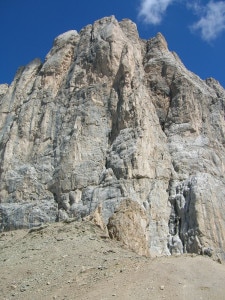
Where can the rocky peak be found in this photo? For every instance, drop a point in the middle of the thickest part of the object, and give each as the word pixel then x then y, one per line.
pixel 159 42
pixel 114 124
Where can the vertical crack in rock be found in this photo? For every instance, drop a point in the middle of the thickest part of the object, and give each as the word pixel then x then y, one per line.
pixel 183 238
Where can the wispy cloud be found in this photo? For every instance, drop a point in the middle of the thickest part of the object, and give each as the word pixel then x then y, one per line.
pixel 152 11
pixel 212 20
pixel 211 16
pixel 195 5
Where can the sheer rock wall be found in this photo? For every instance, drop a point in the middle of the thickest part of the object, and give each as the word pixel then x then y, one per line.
pixel 109 117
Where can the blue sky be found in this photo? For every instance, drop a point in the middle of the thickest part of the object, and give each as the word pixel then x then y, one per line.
pixel 194 29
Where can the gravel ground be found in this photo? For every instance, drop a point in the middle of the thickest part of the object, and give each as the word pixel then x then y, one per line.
pixel 77 261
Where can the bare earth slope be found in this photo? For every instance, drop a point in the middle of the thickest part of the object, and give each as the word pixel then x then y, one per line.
pixel 76 261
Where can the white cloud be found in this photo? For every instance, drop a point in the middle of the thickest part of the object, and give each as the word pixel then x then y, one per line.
pixel 195 5
pixel 152 11
pixel 212 20
pixel 211 16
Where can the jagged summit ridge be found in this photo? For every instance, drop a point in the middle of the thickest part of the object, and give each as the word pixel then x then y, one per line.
pixel 108 119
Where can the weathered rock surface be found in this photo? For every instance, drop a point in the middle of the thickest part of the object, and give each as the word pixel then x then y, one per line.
pixel 129 224
pixel 109 117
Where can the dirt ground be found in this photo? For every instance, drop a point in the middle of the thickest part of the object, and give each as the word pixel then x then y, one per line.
pixel 77 261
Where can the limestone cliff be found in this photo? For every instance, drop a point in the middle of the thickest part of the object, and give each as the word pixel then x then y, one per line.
pixel 110 117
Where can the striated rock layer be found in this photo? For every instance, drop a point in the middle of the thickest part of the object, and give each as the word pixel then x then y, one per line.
pixel 109 119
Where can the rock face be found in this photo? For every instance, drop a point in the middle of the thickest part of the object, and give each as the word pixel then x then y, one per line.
pixel 109 117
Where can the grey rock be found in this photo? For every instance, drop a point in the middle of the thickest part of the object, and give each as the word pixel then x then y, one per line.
pixel 27 215
pixel 3 90
pixel 108 117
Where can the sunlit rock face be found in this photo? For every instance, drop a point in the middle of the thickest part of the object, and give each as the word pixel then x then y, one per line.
pixel 109 117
